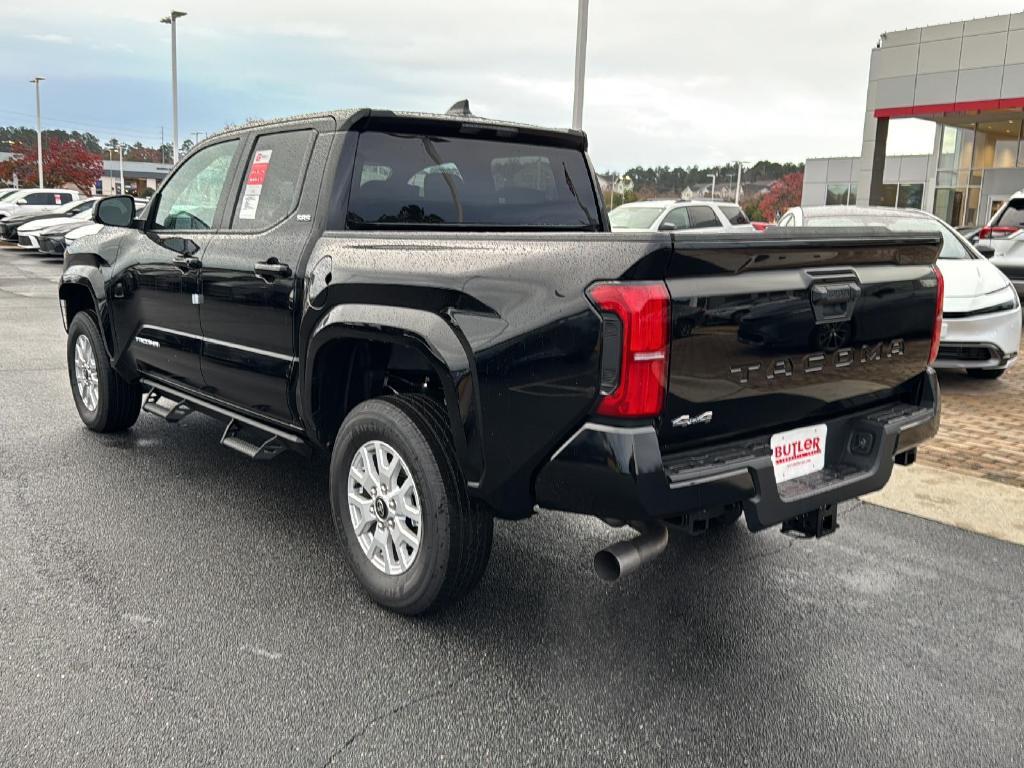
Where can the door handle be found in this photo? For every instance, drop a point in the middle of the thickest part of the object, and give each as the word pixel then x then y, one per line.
pixel 272 269
pixel 186 263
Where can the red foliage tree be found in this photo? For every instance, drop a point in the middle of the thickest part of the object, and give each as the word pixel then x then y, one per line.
pixel 783 194
pixel 64 162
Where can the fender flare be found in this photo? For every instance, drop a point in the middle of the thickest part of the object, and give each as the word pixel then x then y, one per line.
pixel 89 278
pixel 441 344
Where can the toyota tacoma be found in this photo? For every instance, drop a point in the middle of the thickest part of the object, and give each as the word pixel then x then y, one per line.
pixel 439 303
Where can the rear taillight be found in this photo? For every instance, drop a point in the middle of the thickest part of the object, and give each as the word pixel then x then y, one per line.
pixel 986 233
pixel 638 315
pixel 940 291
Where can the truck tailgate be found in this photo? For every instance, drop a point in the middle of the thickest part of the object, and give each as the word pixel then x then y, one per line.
pixel 785 328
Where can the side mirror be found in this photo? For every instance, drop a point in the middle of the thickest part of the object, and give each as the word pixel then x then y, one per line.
pixel 668 226
pixel 985 250
pixel 23 201
pixel 116 211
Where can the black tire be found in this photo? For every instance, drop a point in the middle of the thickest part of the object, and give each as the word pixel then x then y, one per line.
pixel 455 540
pixel 985 373
pixel 480 517
pixel 118 401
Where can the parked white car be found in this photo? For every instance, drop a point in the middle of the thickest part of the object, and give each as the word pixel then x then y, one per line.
pixel 679 216
pixel 35 200
pixel 23 229
pixel 1003 235
pixel 981 312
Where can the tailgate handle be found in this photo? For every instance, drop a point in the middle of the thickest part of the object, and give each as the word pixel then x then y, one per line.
pixel 834 302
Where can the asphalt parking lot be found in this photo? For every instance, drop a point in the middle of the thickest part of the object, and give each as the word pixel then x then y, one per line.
pixel 163 601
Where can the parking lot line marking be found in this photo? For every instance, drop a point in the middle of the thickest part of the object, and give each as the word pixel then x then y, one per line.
pixel 963 501
pixel 263 654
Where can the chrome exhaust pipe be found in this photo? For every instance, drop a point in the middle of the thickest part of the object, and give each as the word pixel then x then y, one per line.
pixel 614 562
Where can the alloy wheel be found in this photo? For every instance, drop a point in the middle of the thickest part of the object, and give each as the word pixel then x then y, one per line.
pixel 384 506
pixel 86 376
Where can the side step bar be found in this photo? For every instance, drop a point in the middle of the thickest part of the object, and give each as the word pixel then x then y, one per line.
pixel 235 437
pixel 248 436
pixel 173 413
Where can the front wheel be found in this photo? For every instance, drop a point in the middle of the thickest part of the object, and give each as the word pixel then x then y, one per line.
pixel 401 510
pixel 106 401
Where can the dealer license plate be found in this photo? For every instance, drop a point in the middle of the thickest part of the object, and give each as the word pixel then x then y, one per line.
pixel 798 452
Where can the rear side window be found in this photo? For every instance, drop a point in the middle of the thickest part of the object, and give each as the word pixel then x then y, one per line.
pixel 48 198
pixel 273 179
pixel 425 182
pixel 702 217
pixel 1012 215
pixel 734 214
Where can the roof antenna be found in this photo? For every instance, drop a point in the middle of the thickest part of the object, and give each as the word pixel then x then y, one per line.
pixel 460 109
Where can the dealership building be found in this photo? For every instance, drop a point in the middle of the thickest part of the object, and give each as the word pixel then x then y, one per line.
pixel 967 78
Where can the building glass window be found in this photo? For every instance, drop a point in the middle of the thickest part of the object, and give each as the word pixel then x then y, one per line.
pixel 909 195
pixel 837 194
pixel 853 195
pixel 888 198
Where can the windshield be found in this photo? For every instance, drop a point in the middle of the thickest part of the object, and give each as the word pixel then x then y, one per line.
pixel 8 193
pixel 636 217
pixel 952 248
pixel 427 182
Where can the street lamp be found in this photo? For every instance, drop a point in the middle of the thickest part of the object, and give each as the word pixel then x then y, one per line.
pixel 739 177
pixel 39 130
pixel 581 64
pixel 172 20
pixel 713 176
pixel 120 154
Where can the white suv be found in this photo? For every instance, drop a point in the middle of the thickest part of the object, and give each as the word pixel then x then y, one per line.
pixel 679 216
pixel 35 201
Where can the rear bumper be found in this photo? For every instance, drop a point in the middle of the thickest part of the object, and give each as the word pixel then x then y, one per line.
pixel 619 472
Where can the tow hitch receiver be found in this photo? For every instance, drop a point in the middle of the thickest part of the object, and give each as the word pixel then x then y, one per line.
pixel 815 524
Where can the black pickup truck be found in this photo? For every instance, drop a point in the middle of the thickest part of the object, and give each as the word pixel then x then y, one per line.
pixel 438 301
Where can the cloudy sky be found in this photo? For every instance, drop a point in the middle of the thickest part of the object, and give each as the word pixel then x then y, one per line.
pixel 670 82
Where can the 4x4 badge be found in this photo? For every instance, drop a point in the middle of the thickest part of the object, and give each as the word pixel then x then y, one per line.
pixel 686 420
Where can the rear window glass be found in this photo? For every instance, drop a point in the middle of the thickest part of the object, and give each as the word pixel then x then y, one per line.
pixel 422 182
pixel 640 217
pixel 734 214
pixel 1012 216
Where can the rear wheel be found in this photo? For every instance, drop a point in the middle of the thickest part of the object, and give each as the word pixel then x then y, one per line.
pixel 401 509
pixel 106 401
pixel 985 373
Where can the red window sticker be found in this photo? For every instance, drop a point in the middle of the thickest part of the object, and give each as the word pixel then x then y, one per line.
pixel 254 184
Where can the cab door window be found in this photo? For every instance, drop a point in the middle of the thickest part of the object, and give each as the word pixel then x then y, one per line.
pixel 701 217
pixel 190 197
pixel 273 180
pixel 678 217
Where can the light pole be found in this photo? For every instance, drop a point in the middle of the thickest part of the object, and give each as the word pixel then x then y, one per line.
pixel 120 155
pixel 713 176
pixel 172 20
pixel 39 130
pixel 739 178
pixel 581 64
